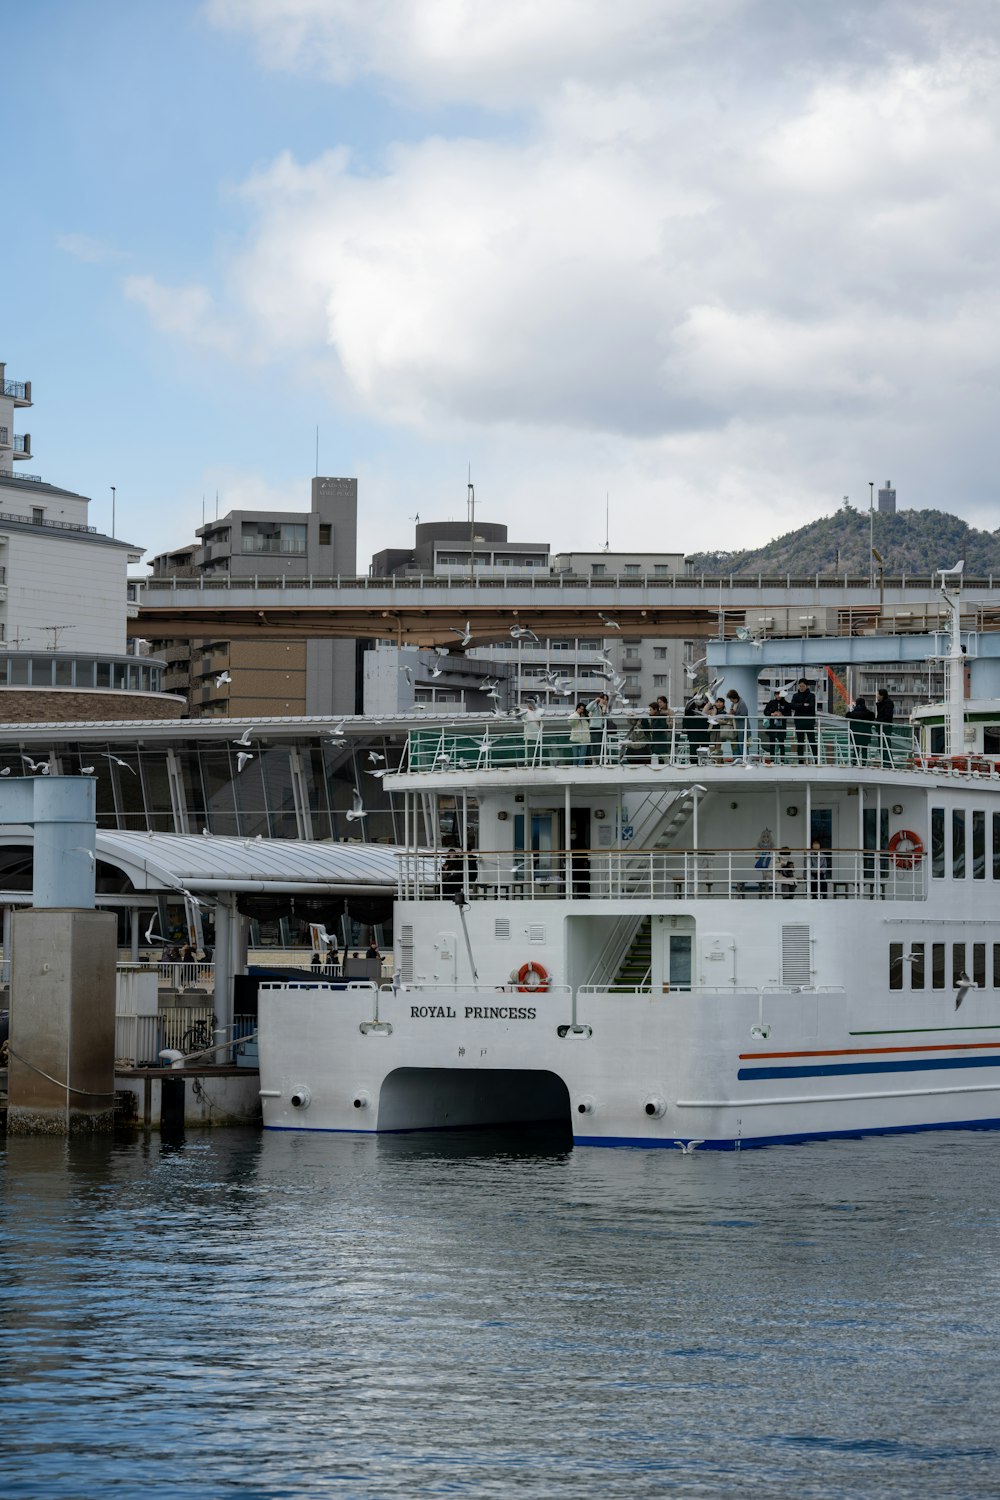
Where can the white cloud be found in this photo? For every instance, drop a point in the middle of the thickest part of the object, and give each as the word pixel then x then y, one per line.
pixel 86 248
pixel 186 313
pixel 729 249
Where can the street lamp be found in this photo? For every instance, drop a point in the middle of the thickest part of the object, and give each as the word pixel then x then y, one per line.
pixel 871 530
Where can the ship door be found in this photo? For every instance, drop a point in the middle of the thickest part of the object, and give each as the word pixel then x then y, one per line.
pixel 717 967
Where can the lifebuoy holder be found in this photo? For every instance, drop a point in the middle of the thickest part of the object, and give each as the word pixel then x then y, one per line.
pixel 533 978
pixel 912 854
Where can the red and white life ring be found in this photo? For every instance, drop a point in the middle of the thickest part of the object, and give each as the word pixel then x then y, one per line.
pixel 533 978
pixel 904 858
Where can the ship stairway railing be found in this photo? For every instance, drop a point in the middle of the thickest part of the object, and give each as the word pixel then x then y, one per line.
pixel 675 740
pixel 615 949
pixel 632 874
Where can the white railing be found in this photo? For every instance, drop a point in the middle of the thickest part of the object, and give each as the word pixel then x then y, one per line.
pixel 677 739
pixel 670 874
pixel 139 1040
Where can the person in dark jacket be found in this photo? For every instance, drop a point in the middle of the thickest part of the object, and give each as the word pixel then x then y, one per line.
pixel 803 707
pixel 695 727
pixel 776 715
pixel 885 712
pixel 862 727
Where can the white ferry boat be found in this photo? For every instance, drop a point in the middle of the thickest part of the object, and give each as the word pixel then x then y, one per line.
pixel 651 946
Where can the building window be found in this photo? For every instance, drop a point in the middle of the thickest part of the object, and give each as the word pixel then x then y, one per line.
pixel 632 570
pixel 37 515
pixel 325 534
pixel 598 570
pixel 273 536
pixel 661 570
pixel 660 653
pixel 660 681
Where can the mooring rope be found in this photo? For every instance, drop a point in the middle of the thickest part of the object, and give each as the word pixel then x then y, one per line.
pixel 59 1082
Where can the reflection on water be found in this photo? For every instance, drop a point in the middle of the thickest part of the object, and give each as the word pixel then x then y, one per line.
pixel 300 1315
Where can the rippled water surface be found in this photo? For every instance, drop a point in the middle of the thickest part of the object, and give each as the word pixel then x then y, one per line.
pixel 307 1315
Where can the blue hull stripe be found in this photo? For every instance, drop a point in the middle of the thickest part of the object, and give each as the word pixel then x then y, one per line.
pixel 830 1070
pixel 795 1138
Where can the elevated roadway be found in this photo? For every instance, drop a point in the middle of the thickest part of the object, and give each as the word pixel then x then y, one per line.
pixel 434 611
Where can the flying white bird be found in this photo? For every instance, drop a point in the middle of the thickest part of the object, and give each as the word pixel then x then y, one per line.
pixel 383 772
pixel 242 759
pixel 244 738
pixel 36 767
pixel 357 808
pixel 522 632
pixel 434 671
pixel 222 678
pixel 688 1146
pixel 465 636
pixel 441 651
pixel 965 984
pixel 79 849
pixel 338 729
pixel 150 935
pixel 374 757
pixel 407 673
pixel 611 624
pixel 117 761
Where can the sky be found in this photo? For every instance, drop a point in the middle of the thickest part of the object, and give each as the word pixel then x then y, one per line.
pixel 678 274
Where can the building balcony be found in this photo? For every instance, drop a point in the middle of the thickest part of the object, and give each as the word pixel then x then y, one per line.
pixel 5 437
pixel 18 391
pixel 22 445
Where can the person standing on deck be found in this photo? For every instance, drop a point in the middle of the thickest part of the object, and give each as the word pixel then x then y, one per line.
pixel 885 712
pixel 740 716
pixel 776 714
pixel 804 715
pixel 818 869
pixel 600 726
pixel 579 734
pixel 862 726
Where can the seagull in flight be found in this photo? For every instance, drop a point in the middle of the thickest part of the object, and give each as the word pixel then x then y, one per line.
pixel 150 935
pixel 36 767
pixel 357 808
pixel 434 671
pixel 965 984
pixel 79 849
pixel 222 678
pixel 441 651
pixel 374 757
pixel 118 761
pixel 522 632
pixel 383 772
pixel 688 1146
pixel 338 729
pixel 611 624
pixel 464 636
pixel 244 738
pixel 408 674
pixel 243 758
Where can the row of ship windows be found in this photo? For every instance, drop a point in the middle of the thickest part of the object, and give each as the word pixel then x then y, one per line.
pixel 912 961
pixel 965 850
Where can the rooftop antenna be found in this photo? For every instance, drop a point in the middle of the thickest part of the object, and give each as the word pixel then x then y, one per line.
pixel 216 505
pixel 317 450
pixel 471 501
pixel 55 629
pixel 607 522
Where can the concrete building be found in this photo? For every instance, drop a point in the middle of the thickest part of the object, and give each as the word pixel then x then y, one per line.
pixel 269 676
pixel 63 601
pixel 442 549
pixel 887 499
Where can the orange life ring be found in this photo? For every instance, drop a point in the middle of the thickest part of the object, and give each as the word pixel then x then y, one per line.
pixel 905 859
pixel 541 978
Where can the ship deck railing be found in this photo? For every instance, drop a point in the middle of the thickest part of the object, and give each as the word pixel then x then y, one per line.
pixel 678 740
pixel 666 875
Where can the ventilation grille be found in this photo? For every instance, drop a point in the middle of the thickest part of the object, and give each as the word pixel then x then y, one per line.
pixel 536 932
pixel 501 929
pixel 796 965
pixel 406 954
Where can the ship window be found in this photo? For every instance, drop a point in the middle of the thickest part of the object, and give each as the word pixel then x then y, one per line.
pixel 979 964
pixel 996 966
pixel 937 965
pixel 916 966
pixel 996 846
pixel 957 962
pixel 937 841
pixel 979 846
pixel 895 966
pixel 958 844
pixel 991 739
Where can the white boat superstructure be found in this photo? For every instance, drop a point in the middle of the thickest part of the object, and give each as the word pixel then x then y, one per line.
pixel 662 947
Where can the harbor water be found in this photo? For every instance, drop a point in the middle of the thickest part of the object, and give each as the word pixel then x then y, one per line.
pixel 290 1315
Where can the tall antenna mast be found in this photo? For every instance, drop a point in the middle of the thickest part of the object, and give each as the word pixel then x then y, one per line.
pixel 471 502
pixel 317 450
pixel 607 521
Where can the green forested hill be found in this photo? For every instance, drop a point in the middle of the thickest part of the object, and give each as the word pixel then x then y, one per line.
pixel 914 542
